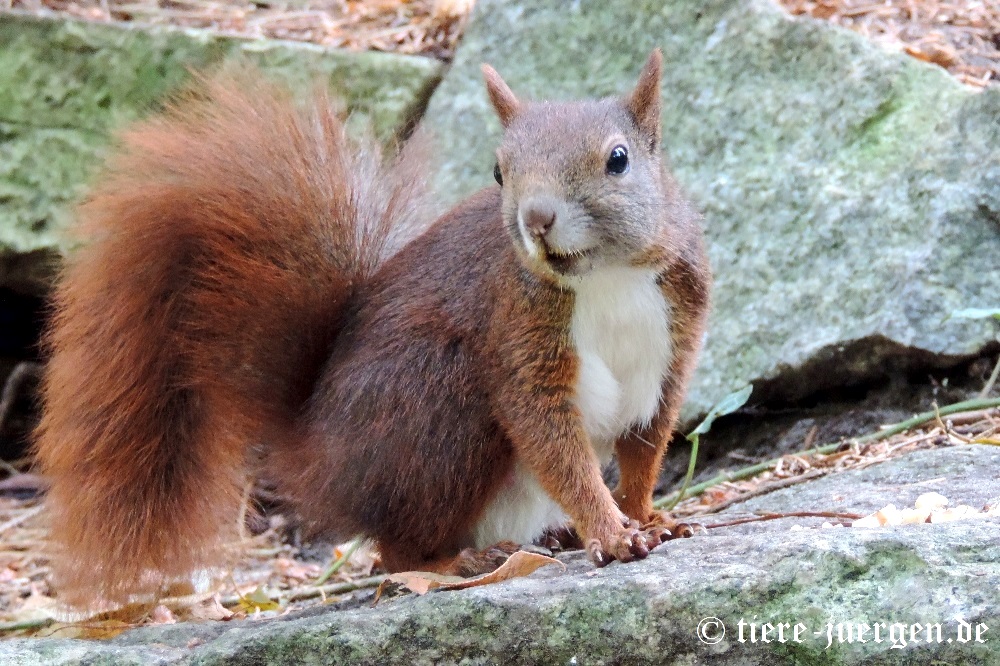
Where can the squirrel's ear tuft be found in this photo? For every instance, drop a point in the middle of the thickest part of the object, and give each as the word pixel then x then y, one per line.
pixel 501 96
pixel 644 102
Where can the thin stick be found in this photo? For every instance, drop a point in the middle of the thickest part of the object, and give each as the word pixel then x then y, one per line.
pixel 21 372
pixel 7 467
pixel 968 418
pixel 991 381
pixel 311 592
pixel 14 522
pixel 26 624
pixel 752 470
pixel 791 514
pixel 339 562
pixel 241 525
pixel 769 488
pixel 335 588
pixel 690 473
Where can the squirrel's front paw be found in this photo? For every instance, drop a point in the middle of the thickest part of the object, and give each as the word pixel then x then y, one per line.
pixel 624 544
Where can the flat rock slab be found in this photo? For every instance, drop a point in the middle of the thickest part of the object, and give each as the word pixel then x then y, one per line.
pixel 64 85
pixel 851 196
pixel 649 612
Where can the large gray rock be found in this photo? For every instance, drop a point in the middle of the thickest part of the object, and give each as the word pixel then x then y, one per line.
pixel 851 196
pixel 649 612
pixel 64 85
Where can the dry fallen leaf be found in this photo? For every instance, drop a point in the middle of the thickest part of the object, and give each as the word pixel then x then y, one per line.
pixel 210 609
pixel 517 565
pixel 938 54
pixel 421 582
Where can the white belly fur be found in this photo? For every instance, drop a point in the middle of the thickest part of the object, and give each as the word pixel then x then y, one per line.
pixel 621 331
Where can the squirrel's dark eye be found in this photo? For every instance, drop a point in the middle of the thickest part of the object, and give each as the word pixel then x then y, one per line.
pixel 618 160
pixel 497 174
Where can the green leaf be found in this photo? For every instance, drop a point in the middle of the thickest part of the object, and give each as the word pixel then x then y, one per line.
pixel 976 313
pixel 727 405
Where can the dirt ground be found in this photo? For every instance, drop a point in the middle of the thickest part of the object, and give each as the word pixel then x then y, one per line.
pixel 426 27
pixel 962 36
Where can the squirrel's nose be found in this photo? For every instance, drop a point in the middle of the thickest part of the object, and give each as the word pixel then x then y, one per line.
pixel 539 215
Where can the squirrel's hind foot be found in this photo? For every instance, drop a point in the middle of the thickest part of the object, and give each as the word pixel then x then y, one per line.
pixel 471 562
pixel 560 537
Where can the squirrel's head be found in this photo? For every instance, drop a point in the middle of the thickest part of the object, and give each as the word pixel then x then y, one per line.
pixel 583 184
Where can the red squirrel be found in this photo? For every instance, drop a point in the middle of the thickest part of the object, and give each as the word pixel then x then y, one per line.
pixel 254 288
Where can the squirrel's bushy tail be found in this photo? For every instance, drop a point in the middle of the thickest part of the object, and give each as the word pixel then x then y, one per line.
pixel 217 255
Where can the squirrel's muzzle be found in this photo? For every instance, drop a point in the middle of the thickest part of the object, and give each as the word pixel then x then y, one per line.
pixel 538 215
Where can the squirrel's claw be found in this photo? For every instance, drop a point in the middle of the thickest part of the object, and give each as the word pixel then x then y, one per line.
pixel 627 545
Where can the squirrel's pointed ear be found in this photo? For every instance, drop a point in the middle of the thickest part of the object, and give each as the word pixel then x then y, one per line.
pixel 644 101
pixel 501 96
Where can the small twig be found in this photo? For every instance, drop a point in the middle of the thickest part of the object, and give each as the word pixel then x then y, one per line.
pixel 991 381
pixel 339 562
pixel 947 429
pixel 17 520
pixel 335 588
pixel 913 440
pixel 767 489
pixel 968 418
pixel 791 514
pixel 266 552
pixel 7 467
pixel 307 592
pixel 26 624
pixel 241 525
pixel 21 372
pixel 810 439
pixel 692 459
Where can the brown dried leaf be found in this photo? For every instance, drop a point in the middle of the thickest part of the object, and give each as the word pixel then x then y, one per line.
pixel 520 564
pixel 421 582
pixel 934 53
pixel 210 609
